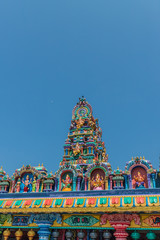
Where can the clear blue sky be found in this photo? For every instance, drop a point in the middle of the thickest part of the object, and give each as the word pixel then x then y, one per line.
pixel 53 52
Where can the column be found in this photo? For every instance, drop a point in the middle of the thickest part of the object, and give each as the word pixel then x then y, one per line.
pixel 153 179
pixel 130 182
pixel 120 222
pixel 55 185
pixel 74 183
pixel 120 227
pixel 149 180
pixel 44 232
pixel 85 179
pixel 78 183
pixel 126 181
pixel 111 183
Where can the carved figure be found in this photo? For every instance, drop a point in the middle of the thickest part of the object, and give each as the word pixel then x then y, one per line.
pixel 97 183
pixel 92 124
pixel 34 183
pixel 17 187
pixel 80 122
pixel 26 183
pixel 139 180
pixel 66 184
pixel 76 150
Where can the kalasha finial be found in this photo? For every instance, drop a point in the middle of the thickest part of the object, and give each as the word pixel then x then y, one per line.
pixel 140 158
pixel 42 164
pixel 143 158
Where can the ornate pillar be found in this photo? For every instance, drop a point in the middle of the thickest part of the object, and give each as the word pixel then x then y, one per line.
pixel 74 183
pixel 130 181
pixel 18 234
pixel 6 234
pixel 149 180
pixel 106 182
pixel 44 232
pixel 120 222
pixel 88 232
pixel 153 179
pixel 31 234
pixel 85 179
pixel 44 221
pixel 55 186
pixel 78 183
pixel 125 181
pixel 120 227
pixel 111 187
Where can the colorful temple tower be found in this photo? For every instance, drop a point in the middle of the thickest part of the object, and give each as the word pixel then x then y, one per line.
pixel 84 199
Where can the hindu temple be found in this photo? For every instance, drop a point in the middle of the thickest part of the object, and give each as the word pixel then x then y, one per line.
pixel 85 199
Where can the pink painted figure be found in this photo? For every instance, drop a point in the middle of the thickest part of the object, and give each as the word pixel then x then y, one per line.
pixel 97 183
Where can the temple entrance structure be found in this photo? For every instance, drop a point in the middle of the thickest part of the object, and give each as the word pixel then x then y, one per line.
pixel 85 199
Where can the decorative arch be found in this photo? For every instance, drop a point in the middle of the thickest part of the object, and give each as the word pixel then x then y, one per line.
pixel 66 178
pixel 94 166
pixel 26 179
pixel 140 173
pixel 139 177
pixel 97 176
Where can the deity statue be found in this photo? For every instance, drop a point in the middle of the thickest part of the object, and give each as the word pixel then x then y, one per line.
pixel 97 183
pixel 76 150
pixel 17 187
pixel 92 123
pixel 34 183
pixel 80 122
pixel 139 180
pixel 27 183
pixel 66 184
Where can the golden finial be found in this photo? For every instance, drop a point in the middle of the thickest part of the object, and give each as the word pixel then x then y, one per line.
pixel 6 234
pixel 31 234
pixel 42 164
pixel 1 167
pixel 39 165
pixel 132 158
pixel 18 234
pixel 140 158
pixel 143 158
pixel 51 172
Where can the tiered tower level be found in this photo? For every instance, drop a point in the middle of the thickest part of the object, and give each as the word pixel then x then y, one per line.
pixel 85 198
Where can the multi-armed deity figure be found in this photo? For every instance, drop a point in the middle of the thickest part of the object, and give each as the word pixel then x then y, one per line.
pixel 66 184
pixel 97 183
pixel 139 180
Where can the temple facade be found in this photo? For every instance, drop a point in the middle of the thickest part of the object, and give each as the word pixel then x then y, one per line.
pixel 85 198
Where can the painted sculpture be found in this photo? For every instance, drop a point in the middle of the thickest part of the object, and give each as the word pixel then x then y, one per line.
pixel 97 183
pixel 139 180
pixel 67 183
pixel 27 184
